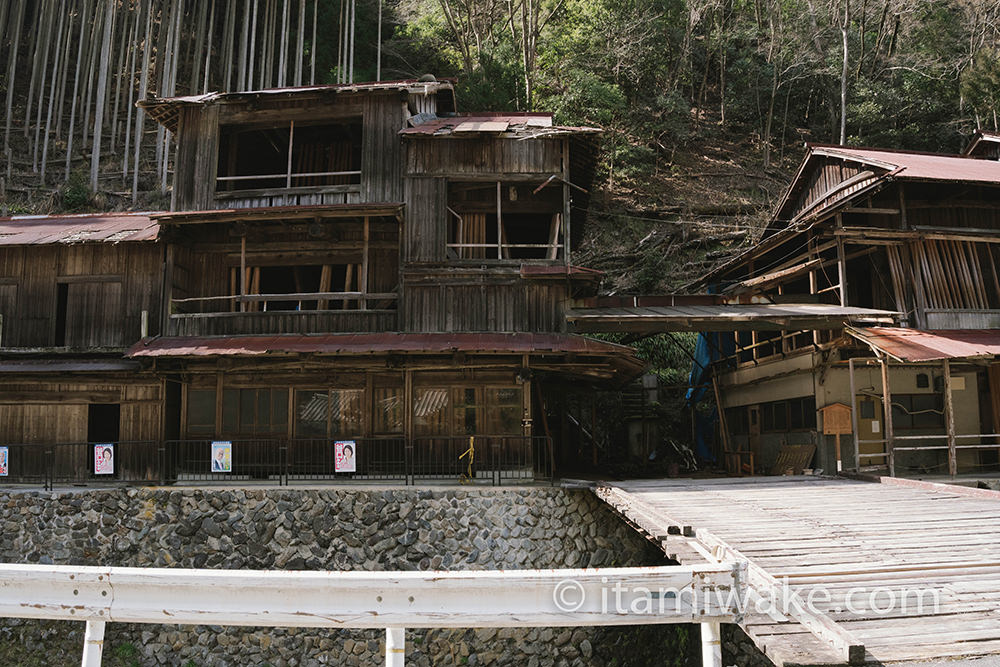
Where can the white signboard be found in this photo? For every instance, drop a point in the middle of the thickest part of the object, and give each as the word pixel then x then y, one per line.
pixel 345 456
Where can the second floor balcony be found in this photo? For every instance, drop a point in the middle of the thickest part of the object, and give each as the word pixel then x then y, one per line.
pixel 302 270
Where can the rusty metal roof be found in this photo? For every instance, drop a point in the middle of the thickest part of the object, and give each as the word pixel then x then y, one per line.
pixel 86 228
pixel 916 345
pixel 912 165
pixel 721 317
pixel 517 125
pixel 559 271
pixel 373 344
pixel 979 137
pixel 165 110
pixel 387 209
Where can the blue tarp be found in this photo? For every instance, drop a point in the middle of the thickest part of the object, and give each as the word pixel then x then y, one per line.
pixel 709 348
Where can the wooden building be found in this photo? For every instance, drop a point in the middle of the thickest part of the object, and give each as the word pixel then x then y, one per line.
pixel 350 262
pixel 916 234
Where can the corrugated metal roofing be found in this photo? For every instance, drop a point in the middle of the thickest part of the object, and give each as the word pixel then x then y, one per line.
pixel 375 343
pixel 164 109
pixel 920 166
pixel 520 125
pixel 721 317
pixel 86 228
pixel 918 345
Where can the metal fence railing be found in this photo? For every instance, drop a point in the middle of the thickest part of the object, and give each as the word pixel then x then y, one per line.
pixel 480 459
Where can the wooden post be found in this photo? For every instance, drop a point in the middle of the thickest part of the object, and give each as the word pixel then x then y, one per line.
pixel 395 647
pixel 711 644
pixel 364 269
pixel 93 644
pixel 243 271
pixel 949 420
pixel 291 142
pixel 887 409
pixel 854 416
pixel 842 270
pixel 723 427
pixel 499 225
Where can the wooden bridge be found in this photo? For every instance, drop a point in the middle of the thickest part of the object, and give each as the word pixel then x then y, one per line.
pixel 840 571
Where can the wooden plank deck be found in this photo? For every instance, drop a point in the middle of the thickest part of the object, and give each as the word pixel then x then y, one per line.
pixel 919 564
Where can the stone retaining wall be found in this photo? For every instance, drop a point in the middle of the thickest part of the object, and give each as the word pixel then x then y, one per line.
pixel 314 529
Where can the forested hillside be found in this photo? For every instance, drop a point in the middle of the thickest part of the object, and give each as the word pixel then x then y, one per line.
pixel 705 103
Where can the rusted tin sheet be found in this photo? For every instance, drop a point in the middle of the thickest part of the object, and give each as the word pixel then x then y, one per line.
pixel 88 228
pixel 914 345
pixel 507 123
pixel 919 166
pixel 374 343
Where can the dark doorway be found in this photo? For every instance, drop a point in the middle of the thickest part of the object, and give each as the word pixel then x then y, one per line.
pixel 103 421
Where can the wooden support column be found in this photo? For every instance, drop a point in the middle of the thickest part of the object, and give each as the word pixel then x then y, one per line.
pixel 567 202
pixel 841 270
pixel 291 143
pixel 887 412
pixel 499 224
pixel 813 283
pixel 364 267
pixel 949 420
pixel 243 270
pixel 854 415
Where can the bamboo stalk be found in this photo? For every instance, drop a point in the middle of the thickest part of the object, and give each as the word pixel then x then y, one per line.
pixel 11 71
pixel 102 83
pixel 300 43
pixel 76 86
pixel 283 43
pixel 119 76
pixel 244 38
pixel 253 47
pixel 133 51
pixel 43 64
pixel 143 88
pixel 52 95
pixel 312 46
pixel 208 47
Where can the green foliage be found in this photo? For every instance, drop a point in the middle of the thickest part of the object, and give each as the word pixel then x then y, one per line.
pixel 75 193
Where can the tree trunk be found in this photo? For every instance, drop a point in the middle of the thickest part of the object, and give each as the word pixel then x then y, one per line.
pixel 102 84
pixel 843 72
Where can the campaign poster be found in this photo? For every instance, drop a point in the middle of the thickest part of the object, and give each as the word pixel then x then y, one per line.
pixel 345 456
pixel 3 461
pixel 222 456
pixel 104 459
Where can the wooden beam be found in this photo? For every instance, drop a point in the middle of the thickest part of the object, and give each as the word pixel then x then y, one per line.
pixel 887 411
pixel 949 418
pixel 854 415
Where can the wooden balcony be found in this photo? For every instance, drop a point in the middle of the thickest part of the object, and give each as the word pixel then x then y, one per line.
pixel 281 322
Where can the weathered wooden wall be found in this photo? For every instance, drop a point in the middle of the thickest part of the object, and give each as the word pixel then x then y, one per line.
pixel 383 115
pixel 56 412
pixel 481 301
pixel 108 286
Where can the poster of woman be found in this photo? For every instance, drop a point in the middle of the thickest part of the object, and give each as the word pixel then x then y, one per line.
pixel 104 459
pixel 3 461
pixel 222 456
pixel 344 459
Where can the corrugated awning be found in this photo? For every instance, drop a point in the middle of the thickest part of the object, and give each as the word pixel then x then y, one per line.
pixel 721 317
pixel 86 228
pixel 67 365
pixel 914 345
pixel 374 343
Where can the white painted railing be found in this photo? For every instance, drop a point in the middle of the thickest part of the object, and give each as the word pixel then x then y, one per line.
pixel 709 595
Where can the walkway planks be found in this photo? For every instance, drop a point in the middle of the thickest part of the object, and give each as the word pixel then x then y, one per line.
pixel 931 552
